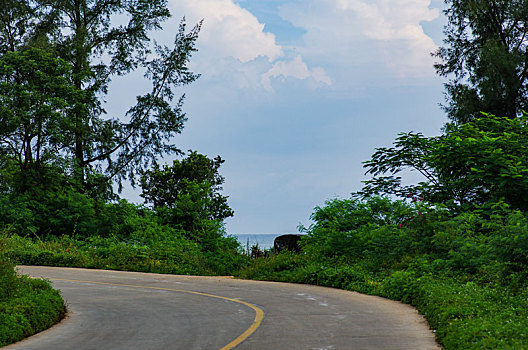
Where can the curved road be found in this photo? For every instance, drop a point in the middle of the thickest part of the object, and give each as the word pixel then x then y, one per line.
pixel 129 310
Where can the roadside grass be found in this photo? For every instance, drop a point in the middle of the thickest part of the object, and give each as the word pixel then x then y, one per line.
pixel 463 314
pixel 171 256
pixel 27 306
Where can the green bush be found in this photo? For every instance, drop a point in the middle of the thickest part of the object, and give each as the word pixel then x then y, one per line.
pixel 27 306
pixel 473 316
pixel 277 267
pixel 8 279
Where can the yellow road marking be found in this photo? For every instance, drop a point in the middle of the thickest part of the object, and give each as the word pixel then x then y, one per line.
pixel 259 314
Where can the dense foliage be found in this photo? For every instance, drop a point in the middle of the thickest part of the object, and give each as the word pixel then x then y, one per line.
pixel 35 98
pixel 484 160
pixel 59 212
pixel 187 193
pixel 486 57
pixel 149 248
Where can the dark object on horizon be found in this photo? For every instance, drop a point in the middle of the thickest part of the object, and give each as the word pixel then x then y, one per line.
pixel 289 242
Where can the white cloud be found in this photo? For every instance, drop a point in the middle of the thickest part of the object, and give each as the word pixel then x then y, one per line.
pixel 378 33
pixel 232 45
pixel 228 29
pixel 349 42
pixel 295 68
pixel 389 19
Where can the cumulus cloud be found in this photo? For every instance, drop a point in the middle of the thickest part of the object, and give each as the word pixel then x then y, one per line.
pixel 383 33
pixel 228 29
pixel 233 43
pixel 349 42
pixel 295 68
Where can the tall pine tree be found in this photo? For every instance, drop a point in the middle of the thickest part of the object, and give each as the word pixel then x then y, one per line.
pixel 486 58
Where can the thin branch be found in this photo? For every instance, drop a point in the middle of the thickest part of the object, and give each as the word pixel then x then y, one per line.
pixel 135 129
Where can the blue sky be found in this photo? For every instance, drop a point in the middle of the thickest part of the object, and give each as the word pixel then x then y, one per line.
pixel 295 95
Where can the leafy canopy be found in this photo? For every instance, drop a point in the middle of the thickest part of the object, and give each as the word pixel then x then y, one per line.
pixel 481 161
pixel 188 192
pixel 36 96
pixel 486 57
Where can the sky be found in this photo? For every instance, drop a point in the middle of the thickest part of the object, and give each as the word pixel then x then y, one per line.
pixel 295 94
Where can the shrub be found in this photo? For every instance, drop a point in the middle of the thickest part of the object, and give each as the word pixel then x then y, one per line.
pixel 27 306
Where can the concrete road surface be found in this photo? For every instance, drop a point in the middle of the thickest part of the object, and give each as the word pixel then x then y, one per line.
pixel 111 310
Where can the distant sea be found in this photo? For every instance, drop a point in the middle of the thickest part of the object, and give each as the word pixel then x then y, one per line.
pixel 264 240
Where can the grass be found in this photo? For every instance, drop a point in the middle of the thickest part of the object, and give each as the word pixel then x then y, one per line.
pixel 163 256
pixel 27 306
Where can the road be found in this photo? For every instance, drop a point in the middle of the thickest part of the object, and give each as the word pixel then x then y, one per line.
pixel 128 310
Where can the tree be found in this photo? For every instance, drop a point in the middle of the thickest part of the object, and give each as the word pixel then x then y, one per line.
pixel 484 160
pixel 17 19
pixel 85 34
pixel 36 93
pixel 486 56
pixel 187 193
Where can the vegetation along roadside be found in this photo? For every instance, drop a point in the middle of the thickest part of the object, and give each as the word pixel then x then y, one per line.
pixel 27 306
